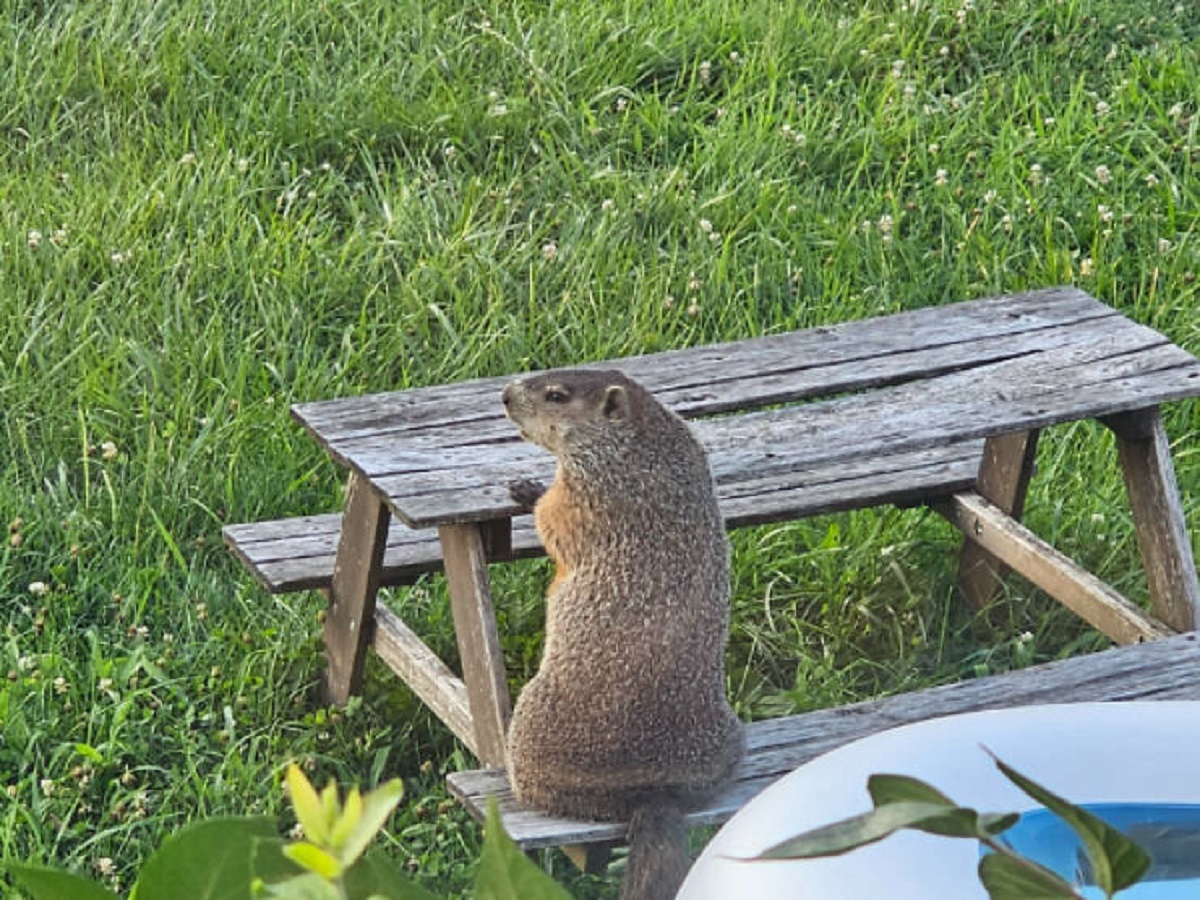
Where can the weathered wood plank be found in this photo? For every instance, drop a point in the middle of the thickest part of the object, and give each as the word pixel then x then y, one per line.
pixel 428 677
pixel 1004 475
pixel 1128 361
pixel 353 588
pixel 478 642
pixel 1118 350
pixel 1167 669
pixel 1074 587
pixel 741 383
pixel 1162 533
pixel 284 562
pixel 702 380
pixel 791 481
pixel 937 412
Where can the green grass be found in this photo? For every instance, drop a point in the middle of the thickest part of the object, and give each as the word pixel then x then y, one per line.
pixel 209 211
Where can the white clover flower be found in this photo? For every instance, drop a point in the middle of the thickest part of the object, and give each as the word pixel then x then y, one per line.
pixel 33 237
pixel 608 205
pixel 939 177
pixel 705 71
pixel 1103 174
pixel 706 226
pixel 885 223
pixel 188 159
pixel 108 450
pixel 1105 214
pixel 1164 246
pixel 1151 180
pixel 549 250
pixel 1085 266
pixel 1102 109
pixel 39 588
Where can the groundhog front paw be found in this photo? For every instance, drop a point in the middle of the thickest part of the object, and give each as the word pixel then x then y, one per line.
pixel 526 491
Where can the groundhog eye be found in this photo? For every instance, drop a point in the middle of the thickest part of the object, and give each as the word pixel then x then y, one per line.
pixel 556 395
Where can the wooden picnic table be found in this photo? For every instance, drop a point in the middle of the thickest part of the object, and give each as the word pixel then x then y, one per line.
pixel 941 406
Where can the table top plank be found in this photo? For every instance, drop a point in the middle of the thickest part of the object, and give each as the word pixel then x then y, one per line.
pixel 803 364
pixel 1041 368
pixel 1127 371
pixel 927 379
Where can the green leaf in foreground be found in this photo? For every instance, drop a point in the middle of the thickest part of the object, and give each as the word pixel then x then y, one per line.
pixel 957 822
pixel 886 788
pixel 1116 861
pixel 506 873
pixel 857 831
pixel 361 824
pixel 375 874
pixel 303 887
pixel 208 860
pixel 51 884
pixel 1007 878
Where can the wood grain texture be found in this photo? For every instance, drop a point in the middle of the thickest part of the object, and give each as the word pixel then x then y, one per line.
pixel 353 588
pixel 478 640
pixel 1114 372
pixel 297 554
pixel 428 677
pixel 1162 533
pixel 1004 475
pixel 1077 589
pixel 1167 669
pixel 814 362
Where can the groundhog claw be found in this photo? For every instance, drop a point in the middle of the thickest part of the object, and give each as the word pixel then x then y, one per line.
pixel 526 491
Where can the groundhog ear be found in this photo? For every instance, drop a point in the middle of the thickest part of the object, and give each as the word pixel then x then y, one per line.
pixel 616 402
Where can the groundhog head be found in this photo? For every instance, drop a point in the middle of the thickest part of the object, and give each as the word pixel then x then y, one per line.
pixel 569 410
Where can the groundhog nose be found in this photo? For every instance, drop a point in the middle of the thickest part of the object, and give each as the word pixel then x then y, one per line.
pixel 506 396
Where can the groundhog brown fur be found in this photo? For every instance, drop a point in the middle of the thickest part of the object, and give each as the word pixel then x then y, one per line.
pixel 626 718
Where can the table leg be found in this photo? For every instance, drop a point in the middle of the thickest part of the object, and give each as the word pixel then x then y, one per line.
pixel 355 583
pixel 1004 474
pixel 465 557
pixel 1162 533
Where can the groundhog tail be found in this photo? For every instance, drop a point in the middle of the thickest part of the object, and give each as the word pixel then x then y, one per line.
pixel 658 854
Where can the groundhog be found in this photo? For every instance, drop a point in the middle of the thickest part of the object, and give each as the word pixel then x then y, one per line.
pixel 626 718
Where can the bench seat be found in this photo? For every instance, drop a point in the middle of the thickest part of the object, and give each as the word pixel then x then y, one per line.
pixel 297 554
pixel 1166 669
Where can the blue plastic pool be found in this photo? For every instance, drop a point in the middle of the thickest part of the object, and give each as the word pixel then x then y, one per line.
pixel 1169 832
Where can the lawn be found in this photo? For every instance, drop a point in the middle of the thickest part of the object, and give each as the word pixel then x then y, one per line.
pixel 211 210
